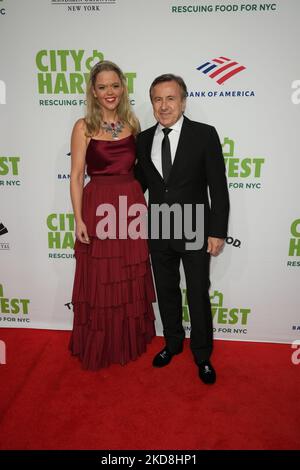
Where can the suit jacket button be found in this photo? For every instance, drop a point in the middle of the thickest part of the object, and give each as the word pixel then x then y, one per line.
pixel 166 190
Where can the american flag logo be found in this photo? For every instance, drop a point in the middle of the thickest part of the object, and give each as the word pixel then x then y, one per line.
pixel 3 229
pixel 223 69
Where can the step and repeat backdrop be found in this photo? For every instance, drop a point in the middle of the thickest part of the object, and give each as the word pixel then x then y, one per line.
pixel 241 64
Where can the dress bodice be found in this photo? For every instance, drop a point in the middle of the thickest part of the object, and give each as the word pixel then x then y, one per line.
pixel 110 157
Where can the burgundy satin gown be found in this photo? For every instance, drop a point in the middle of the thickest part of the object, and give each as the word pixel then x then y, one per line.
pixel 113 289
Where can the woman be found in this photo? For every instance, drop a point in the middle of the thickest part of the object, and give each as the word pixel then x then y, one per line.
pixel 113 289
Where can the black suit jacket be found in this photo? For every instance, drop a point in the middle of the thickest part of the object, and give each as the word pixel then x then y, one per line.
pixel 198 167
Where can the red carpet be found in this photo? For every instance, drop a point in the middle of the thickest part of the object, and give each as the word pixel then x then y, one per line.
pixel 48 402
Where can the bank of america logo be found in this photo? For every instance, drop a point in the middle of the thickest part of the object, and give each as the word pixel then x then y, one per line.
pixel 3 229
pixel 221 69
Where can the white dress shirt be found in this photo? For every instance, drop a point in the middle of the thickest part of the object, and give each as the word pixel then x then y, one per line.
pixel 157 141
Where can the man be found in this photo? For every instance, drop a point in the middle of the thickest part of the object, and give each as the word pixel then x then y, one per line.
pixel 178 161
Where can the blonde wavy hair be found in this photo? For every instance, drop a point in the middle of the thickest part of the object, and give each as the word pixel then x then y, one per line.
pixel 94 115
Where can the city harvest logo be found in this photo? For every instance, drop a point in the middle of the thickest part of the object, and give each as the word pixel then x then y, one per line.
pixel 294 245
pixel 220 70
pixel 226 320
pixel 85 6
pixel 61 236
pixel 228 316
pixel 243 169
pixel 3 244
pixel 9 167
pixel 65 73
pixel 2 92
pixel 296 93
pixel 13 310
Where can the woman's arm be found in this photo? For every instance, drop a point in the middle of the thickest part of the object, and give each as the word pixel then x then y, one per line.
pixel 78 151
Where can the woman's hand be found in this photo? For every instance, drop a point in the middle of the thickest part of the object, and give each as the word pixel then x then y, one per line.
pixel 81 232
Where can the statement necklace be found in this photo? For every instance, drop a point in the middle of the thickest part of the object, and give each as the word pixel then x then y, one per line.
pixel 114 128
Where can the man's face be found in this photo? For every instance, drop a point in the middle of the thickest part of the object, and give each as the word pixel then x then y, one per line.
pixel 168 104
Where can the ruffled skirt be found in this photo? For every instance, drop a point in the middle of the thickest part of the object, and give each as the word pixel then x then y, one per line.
pixel 113 288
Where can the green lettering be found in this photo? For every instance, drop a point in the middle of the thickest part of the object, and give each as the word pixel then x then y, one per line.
pixel 86 77
pixel 68 241
pixel 25 303
pixel 3 166
pixel 76 81
pixel 54 240
pixel 257 165
pixel 246 166
pixel 45 83
pixel 38 61
pixel 233 315
pixel 63 59
pixel 233 164
pixel 77 57
pixel 96 55
pixel 50 220
pixel 294 228
pixel 222 316
pixel 70 218
pixel 228 147
pixel 14 306
pixel 53 61
pixel 245 312
pixel 4 305
pixel 61 85
pixel 62 225
pixel 130 79
pixel 14 164
pixel 294 249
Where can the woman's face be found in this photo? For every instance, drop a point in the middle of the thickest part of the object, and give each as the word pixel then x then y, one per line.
pixel 108 90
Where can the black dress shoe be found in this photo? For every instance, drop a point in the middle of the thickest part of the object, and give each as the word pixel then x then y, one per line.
pixel 163 358
pixel 206 372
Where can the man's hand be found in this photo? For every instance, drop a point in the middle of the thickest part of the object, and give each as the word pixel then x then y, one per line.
pixel 215 245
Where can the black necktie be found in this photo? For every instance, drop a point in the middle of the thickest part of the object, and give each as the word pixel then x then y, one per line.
pixel 166 160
